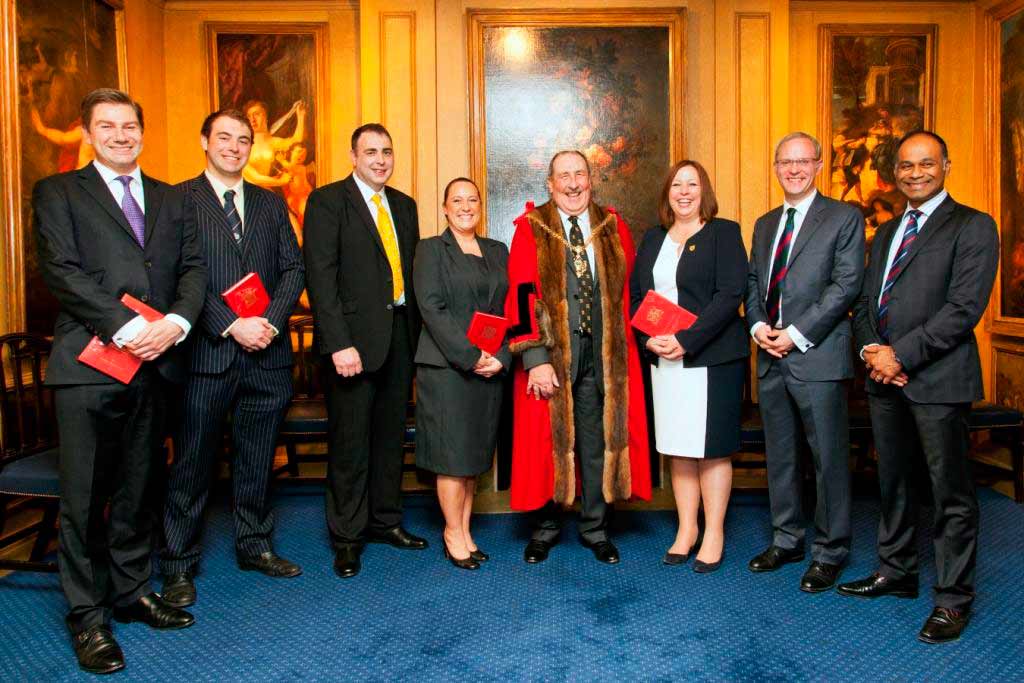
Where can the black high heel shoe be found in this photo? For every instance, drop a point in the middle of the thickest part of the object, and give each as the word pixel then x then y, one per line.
pixel 708 567
pixel 468 563
pixel 479 555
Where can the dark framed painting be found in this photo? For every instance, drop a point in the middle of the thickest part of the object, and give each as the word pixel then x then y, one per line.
pixel 606 82
pixel 1007 129
pixel 877 84
pixel 63 50
pixel 1008 374
pixel 275 74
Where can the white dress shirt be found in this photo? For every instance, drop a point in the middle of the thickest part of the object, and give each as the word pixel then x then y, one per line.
pixel 368 193
pixel 220 188
pixel 584 222
pixel 802 207
pixel 131 329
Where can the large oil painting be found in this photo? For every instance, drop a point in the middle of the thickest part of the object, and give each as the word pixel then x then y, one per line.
pixel 1008 373
pixel 274 73
pixel 878 86
pixel 65 49
pixel 581 81
pixel 1009 304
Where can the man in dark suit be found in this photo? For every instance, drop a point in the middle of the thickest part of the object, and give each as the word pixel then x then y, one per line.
pixel 806 268
pixel 103 231
pixel 360 239
pixel 240 366
pixel 929 278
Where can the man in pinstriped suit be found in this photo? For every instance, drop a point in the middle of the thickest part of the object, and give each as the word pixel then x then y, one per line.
pixel 240 366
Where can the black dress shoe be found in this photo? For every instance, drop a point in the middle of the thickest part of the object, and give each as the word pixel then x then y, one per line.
pixel 536 551
pixel 774 557
pixel 153 611
pixel 465 563
pixel 479 555
pixel 270 564
pixel 399 538
pixel 876 585
pixel 604 551
pixel 97 651
pixel 674 559
pixel 346 562
pixel 819 577
pixel 944 624
pixel 179 590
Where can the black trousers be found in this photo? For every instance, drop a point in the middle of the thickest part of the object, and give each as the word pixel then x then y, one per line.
pixel 903 430
pixel 110 447
pixel 256 399
pixel 366 428
pixel 588 420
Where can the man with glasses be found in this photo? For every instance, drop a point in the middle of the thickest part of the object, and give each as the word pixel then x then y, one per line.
pixel 806 269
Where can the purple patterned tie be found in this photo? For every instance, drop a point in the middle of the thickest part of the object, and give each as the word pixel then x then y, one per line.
pixel 133 212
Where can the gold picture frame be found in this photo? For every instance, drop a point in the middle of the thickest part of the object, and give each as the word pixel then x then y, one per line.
pixel 15 197
pixel 533 24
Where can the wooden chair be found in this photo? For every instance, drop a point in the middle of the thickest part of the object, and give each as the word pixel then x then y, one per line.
pixel 305 422
pixel 29 465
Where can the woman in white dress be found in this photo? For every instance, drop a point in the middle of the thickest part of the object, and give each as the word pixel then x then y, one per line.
pixel 697 374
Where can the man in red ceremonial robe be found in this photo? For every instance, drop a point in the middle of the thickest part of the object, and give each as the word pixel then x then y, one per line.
pixel 579 398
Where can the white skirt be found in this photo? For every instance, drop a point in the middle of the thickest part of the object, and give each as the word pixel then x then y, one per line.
pixel 680 408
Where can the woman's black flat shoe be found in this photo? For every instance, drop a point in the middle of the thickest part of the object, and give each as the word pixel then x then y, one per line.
pixel 479 555
pixel 468 563
pixel 674 559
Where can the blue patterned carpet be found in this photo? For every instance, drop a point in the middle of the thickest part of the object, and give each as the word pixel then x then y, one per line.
pixel 412 616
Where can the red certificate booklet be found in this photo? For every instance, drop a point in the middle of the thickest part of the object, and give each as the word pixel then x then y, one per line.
pixel 247 297
pixel 657 315
pixel 487 332
pixel 109 358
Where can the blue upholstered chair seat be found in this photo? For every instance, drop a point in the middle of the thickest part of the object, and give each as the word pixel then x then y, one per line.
pixel 33 475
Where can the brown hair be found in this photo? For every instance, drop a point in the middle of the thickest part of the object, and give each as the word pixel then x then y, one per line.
pixel 107 96
pixel 708 201
pixel 368 128
pixel 460 179
pixel 233 114
pixel 581 155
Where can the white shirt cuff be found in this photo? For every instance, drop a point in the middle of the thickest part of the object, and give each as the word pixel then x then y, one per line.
pixel 754 328
pixel 180 322
pixel 800 340
pixel 227 330
pixel 866 346
pixel 129 331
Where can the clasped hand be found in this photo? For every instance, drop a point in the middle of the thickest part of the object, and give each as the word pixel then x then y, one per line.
pixel 776 342
pixel 487 365
pixel 347 362
pixel 883 365
pixel 666 346
pixel 542 382
pixel 253 334
pixel 155 338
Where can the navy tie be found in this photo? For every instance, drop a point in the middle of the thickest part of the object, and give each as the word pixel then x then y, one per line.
pixel 234 220
pixel 909 235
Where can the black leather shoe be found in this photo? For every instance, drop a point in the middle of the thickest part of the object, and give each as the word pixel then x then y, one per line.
pixel 400 538
pixel 774 557
pixel 479 555
pixel 346 562
pixel 876 585
pixel 674 559
pixel 944 624
pixel 820 577
pixel 537 551
pixel 465 563
pixel 604 551
pixel 179 590
pixel 154 612
pixel 97 651
pixel 270 564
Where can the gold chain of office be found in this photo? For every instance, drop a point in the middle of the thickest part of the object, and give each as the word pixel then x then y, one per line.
pixel 579 253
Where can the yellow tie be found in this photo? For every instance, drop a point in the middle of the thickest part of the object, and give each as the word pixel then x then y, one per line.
pixel 387 236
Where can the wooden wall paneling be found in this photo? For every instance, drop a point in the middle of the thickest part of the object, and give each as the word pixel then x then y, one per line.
pixel 397 93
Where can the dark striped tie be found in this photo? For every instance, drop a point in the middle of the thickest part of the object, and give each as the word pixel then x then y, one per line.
pixel 234 220
pixel 909 235
pixel 780 266
pixel 586 280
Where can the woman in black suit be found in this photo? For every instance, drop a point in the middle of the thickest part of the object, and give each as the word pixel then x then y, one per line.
pixel 699 262
pixel 458 386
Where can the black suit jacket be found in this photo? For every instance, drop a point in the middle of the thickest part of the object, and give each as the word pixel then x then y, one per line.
pixel 712 279
pixel 936 301
pixel 89 257
pixel 447 309
pixel 268 248
pixel 826 271
pixel 347 272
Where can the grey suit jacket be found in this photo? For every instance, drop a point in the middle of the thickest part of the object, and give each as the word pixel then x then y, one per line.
pixel 447 307
pixel 935 302
pixel 826 270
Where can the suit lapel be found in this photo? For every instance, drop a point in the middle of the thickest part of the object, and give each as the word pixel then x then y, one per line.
pixel 490 258
pixel 807 228
pixel 764 249
pixel 154 194
pixel 208 202
pixel 356 197
pixel 931 227
pixel 255 205
pixel 91 180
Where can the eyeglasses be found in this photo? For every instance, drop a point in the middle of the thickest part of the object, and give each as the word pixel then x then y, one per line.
pixel 787 164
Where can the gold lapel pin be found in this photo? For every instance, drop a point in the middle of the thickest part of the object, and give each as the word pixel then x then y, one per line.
pixel 693 247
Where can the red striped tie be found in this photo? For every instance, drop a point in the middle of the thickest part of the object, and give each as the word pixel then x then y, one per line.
pixel 909 235
pixel 780 266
